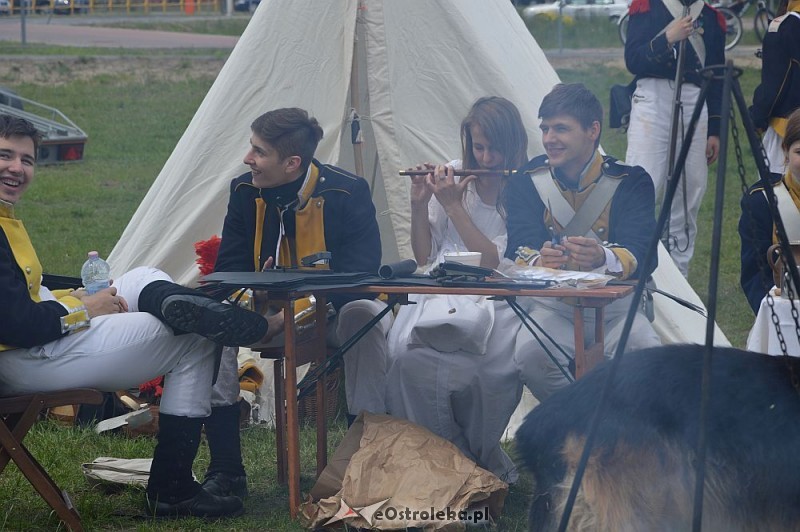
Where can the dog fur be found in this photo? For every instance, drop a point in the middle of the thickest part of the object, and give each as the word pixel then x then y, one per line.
pixel 640 476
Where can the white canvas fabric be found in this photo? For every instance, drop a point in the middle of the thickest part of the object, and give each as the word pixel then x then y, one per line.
pixel 420 64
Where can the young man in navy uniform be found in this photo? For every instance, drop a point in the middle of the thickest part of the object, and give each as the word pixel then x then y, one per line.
pixel 290 206
pixel 576 209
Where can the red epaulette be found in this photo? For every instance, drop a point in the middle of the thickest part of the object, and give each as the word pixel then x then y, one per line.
pixel 720 18
pixel 639 6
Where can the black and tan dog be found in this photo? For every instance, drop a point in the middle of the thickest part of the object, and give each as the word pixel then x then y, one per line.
pixel 640 476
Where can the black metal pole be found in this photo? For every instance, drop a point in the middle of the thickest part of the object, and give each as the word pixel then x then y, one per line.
pixel 673 131
pixel 713 278
pixel 23 8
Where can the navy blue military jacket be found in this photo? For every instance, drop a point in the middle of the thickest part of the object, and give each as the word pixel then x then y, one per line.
pixel 648 55
pixel 347 225
pixel 755 232
pixel 631 216
pixel 779 92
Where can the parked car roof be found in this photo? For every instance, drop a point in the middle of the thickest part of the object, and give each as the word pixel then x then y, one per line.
pixel 613 9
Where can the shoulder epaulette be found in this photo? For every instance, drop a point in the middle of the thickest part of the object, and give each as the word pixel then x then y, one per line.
pixel 330 169
pixel 639 6
pixel 777 21
pixel 615 168
pixel 536 164
pixel 720 18
pixel 774 180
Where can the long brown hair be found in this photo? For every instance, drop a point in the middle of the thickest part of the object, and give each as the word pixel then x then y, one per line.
pixel 501 123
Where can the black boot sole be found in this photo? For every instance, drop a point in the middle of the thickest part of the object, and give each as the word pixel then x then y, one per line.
pixel 222 323
pixel 203 505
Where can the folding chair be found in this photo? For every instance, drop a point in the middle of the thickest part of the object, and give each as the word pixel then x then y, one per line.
pixel 17 416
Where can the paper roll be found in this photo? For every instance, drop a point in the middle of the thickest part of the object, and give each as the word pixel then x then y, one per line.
pixel 398 269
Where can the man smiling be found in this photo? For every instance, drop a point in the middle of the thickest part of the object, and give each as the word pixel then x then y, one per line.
pixel 576 209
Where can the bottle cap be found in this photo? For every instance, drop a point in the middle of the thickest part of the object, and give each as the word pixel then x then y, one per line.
pixel 93 254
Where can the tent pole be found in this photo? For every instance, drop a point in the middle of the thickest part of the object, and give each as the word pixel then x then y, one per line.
pixel 358 156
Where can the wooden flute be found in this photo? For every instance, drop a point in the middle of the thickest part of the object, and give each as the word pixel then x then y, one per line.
pixel 476 172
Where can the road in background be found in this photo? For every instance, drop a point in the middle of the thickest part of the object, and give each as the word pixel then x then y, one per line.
pixel 66 31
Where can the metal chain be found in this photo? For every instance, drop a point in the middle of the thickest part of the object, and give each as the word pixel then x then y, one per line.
pixel 795 379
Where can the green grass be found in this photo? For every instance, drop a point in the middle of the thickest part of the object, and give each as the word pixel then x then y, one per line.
pixel 61 450
pixel 222 26
pixel 48 50
pixel 132 125
pixel 575 33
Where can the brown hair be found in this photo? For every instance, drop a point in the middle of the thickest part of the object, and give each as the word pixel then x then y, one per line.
pixel 501 123
pixel 13 126
pixel 792 130
pixel 575 100
pixel 290 131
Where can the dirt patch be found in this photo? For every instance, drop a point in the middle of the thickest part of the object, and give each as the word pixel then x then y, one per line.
pixel 60 70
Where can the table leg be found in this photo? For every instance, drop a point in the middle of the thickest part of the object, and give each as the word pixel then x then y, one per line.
pixel 292 419
pixel 280 419
pixel 580 351
pixel 587 358
pixel 320 347
pixel 599 334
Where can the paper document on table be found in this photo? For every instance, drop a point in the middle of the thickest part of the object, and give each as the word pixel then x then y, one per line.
pixel 561 278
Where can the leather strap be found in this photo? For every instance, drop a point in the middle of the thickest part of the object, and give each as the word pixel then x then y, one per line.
pixel 675 8
pixel 788 211
pixel 579 223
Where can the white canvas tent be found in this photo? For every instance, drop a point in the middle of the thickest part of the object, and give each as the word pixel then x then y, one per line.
pixel 419 65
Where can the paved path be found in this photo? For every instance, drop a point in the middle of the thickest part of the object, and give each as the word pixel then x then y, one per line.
pixel 37 30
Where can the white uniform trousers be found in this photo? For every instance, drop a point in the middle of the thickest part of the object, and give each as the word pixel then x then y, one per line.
pixel 540 374
pixel 120 351
pixel 648 147
pixel 465 398
pixel 366 363
pixel 772 142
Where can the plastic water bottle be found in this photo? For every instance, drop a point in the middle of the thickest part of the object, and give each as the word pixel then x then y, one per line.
pixel 95 273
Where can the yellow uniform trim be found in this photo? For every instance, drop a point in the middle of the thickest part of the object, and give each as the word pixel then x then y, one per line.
pixel 261 209
pixel 28 262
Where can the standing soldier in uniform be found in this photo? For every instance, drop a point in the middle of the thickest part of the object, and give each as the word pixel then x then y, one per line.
pixel 655 31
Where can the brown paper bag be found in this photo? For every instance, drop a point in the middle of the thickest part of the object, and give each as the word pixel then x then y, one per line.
pixel 390 474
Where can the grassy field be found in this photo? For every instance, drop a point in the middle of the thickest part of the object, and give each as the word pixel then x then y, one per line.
pixel 134 110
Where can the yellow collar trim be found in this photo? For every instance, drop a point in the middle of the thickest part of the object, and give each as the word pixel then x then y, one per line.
pixel 309 184
pixel 7 210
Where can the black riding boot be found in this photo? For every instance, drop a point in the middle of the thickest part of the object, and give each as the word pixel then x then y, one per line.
pixel 225 475
pixel 187 310
pixel 171 489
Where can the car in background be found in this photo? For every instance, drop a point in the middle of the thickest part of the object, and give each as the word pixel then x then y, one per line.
pixel 66 7
pixel 245 5
pixel 610 9
pixel 5 7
